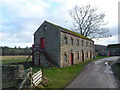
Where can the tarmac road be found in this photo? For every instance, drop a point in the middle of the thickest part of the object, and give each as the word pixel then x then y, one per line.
pixel 97 74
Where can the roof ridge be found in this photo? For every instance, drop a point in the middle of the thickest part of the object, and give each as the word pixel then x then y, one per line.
pixel 67 30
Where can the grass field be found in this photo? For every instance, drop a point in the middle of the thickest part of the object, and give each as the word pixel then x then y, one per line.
pixel 14 59
pixel 60 77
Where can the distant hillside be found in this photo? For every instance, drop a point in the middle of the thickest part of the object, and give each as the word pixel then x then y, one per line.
pixel 113 46
pixel 100 47
pixel 15 51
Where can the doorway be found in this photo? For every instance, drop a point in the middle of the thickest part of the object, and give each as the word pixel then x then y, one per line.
pixel 90 55
pixel 71 58
pixel 42 43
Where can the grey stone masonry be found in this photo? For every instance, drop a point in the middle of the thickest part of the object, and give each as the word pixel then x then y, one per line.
pixel 62 47
pixel 11 74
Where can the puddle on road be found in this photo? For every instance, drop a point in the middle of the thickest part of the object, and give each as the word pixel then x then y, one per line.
pixel 107 66
pixel 97 62
pixel 108 69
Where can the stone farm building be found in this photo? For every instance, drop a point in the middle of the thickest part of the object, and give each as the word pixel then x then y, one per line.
pixel 114 49
pixel 55 45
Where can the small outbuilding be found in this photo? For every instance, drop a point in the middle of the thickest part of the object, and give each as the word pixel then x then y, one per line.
pixel 113 49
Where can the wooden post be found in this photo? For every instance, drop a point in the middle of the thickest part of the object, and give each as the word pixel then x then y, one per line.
pixel 39 58
pixel 30 70
pixel 39 54
pixel 33 54
pixel 26 77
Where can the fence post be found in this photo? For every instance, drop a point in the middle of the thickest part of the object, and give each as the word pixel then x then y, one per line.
pixel 30 70
pixel 33 54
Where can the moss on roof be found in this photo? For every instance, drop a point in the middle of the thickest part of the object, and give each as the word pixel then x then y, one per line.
pixel 69 31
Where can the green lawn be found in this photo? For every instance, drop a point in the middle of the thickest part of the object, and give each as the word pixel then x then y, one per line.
pixel 60 77
pixel 14 59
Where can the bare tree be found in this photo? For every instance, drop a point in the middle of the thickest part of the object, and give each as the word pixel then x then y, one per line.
pixel 88 22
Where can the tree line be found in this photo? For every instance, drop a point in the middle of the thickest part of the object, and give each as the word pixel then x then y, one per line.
pixel 15 51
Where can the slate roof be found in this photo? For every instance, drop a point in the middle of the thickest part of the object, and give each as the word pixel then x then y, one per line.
pixel 69 31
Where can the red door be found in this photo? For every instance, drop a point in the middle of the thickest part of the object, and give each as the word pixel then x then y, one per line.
pixel 108 53
pixel 42 43
pixel 71 59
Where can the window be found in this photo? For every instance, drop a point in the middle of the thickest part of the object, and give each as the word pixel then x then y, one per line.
pixel 90 44
pixel 45 27
pixel 82 55
pixel 77 42
pixel 86 44
pixel 71 41
pixel 65 57
pixel 82 43
pixel 65 40
pixel 78 55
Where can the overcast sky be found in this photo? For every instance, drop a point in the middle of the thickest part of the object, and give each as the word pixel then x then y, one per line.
pixel 19 19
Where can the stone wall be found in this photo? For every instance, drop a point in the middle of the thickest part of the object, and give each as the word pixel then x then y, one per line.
pixel 28 63
pixel 52 44
pixel 10 75
pixel 76 49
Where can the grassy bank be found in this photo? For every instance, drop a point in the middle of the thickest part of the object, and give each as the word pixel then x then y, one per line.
pixel 14 59
pixel 116 69
pixel 60 77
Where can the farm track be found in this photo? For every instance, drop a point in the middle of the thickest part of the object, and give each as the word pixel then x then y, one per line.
pixel 97 74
